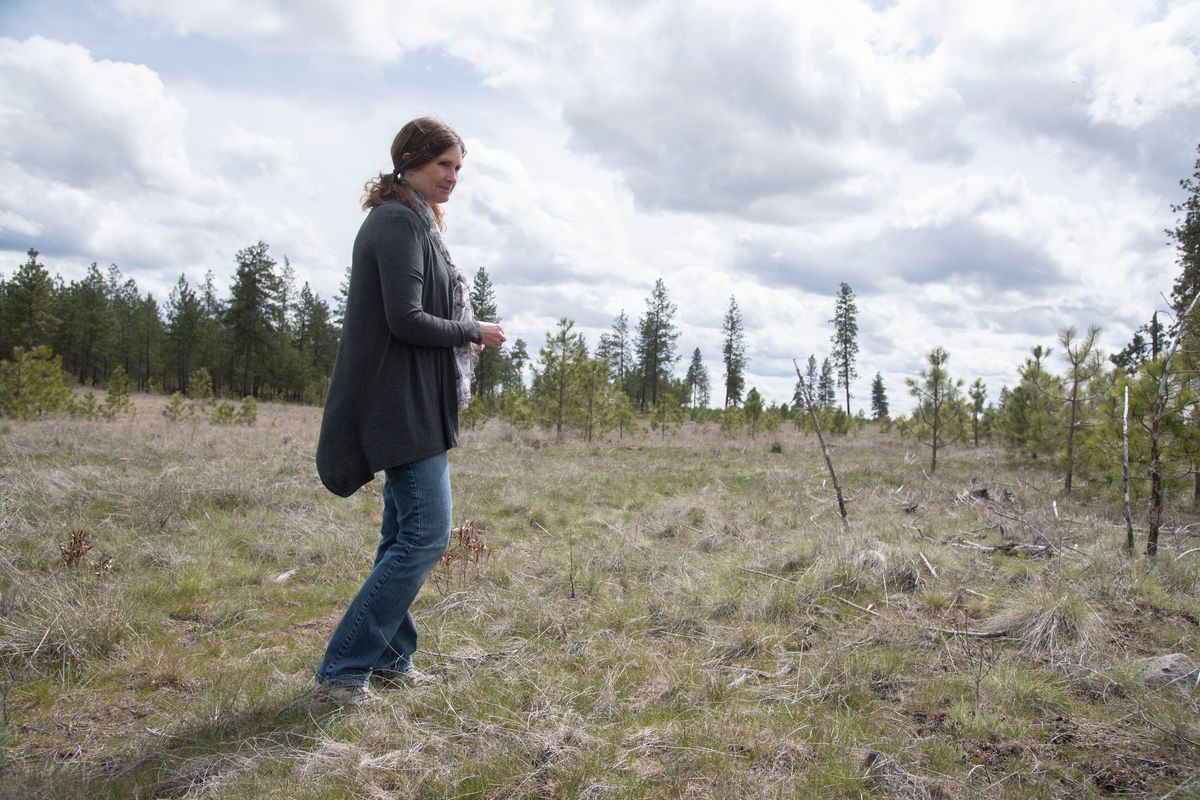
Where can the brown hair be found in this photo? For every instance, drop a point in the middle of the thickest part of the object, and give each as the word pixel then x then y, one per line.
pixel 422 140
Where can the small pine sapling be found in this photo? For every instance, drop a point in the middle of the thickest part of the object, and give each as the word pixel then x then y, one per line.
pixel 120 395
pixel 248 413
pixel 175 408
pixel 224 413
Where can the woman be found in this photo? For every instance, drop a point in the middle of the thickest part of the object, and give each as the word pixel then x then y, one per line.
pixel 402 374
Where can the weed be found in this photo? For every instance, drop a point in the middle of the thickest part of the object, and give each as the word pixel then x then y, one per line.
pixel 74 551
pixel 466 548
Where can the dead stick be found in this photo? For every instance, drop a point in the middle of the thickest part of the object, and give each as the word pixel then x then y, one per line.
pixel 837 486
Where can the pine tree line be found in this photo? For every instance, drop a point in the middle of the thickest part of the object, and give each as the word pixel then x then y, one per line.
pixel 263 339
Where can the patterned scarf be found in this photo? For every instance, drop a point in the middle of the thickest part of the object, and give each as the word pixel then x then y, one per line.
pixel 464 355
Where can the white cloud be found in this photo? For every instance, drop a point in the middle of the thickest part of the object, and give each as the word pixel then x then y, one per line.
pixel 981 173
pixel 1142 73
pixel 245 153
pixel 368 31
pixel 67 117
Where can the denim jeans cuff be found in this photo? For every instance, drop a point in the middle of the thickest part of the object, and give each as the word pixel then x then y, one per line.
pixel 346 679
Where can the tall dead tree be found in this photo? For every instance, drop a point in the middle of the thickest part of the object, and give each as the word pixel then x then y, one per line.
pixel 1125 472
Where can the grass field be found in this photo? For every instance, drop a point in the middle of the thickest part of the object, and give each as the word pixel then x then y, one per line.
pixel 678 617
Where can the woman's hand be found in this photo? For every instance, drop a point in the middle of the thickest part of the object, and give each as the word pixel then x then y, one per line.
pixel 493 335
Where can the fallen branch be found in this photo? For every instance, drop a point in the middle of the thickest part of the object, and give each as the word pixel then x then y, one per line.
pixel 856 605
pixel 1010 548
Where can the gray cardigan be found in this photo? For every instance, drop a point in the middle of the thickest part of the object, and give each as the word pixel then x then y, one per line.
pixel 392 397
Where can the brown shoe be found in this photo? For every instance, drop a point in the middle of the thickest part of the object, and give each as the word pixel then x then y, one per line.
pixel 409 677
pixel 345 695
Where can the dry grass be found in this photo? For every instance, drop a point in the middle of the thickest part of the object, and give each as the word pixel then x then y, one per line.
pixel 678 617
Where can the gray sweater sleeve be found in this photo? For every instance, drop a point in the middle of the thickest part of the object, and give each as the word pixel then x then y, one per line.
pixel 400 250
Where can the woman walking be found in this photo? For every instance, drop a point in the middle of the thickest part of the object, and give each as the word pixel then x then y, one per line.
pixel 402 373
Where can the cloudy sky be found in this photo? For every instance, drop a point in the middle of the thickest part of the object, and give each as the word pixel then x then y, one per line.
pixel 982 174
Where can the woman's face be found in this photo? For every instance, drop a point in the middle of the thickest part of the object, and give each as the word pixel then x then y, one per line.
pixel 435 180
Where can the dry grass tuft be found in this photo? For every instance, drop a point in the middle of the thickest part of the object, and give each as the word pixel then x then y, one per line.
pixel 867 566
pixel 892 780
pixel 57 625
pixel 1043 623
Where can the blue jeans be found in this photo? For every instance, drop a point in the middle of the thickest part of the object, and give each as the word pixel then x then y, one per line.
pixel 377 633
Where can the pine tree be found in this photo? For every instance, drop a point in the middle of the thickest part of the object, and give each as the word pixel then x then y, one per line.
pixel 1084 364
pixel 1031 414
pixel 512 379
pixel 183 329
pixel 734 352
pixel 91 323
pixel 601 402
pixel 938 408
pixel 556 384
pixel 667 413
pixel 31 384
pixel 753 410
pixel 655 347
pixel 879 401
pixel 845 339
pixel 120 395
pixel 339 308
pixel 285 299
pixel 211 352
pixel 30 305
pixel 697 381
pixel 489 368
pixel 124 298
pixel 616 350
pixel 810 380
pixel 148 335
pixel 314 339
pixel 253 308
pixel 978 395
pixel 1186 235
pixel 826 393
pixel 1143 347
